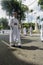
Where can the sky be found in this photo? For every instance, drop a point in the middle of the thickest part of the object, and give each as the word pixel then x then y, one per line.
pixel 26 2
pixel 2 12
pixel 32 4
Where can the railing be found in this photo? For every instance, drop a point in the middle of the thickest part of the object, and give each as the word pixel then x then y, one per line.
pixel 4 31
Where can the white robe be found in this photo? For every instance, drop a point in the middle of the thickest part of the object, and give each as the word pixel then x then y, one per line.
pixel 41 31
pixel 24 31
pixel 30 31
pixel 14 32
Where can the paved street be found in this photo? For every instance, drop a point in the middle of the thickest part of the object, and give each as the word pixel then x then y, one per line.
pixel 31 52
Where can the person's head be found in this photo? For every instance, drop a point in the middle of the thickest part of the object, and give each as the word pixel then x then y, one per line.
pixel 15 14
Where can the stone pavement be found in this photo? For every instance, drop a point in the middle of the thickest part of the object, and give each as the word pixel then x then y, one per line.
pixel 31 52
pixel 8 58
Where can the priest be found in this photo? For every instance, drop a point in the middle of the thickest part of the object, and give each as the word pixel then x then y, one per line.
pixel 14 37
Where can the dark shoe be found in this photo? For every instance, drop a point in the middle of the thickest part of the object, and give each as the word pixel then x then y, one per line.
pixel 19 46
pixel 13 45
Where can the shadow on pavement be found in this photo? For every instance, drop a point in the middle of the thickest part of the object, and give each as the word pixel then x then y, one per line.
pixel 31 48
pixel 24 41
pixel 8 58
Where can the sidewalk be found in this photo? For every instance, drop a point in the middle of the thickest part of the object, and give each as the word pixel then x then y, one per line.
pixel 32 34
pixel 31 52
pixel 7 57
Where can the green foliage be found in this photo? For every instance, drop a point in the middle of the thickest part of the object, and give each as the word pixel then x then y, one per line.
pixel 40 2
pixel 4 23
pixel 10 5
pixel 42 19
pixel 27 25
pixel 31 10
pixel 38 17
pixel 1 27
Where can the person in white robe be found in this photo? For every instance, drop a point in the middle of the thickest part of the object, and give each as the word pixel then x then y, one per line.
pixel 31 31
pixel 41 31
pixel 24 31
pixel 14 31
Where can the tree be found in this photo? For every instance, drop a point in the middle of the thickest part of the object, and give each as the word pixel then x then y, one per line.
pixel 4 23
pixel 40 2
pixel 38 17
pixel 42 19
pixel 10 5
pixel 31 11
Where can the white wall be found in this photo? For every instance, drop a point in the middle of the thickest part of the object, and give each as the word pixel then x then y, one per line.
pixel 4 31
